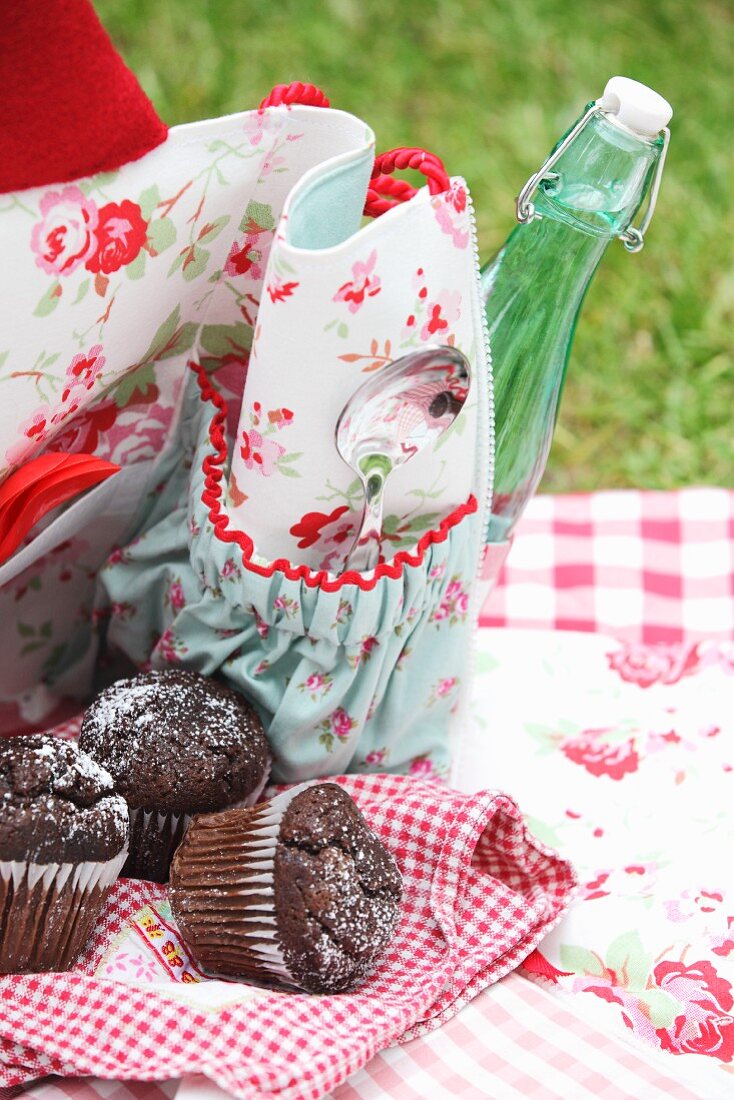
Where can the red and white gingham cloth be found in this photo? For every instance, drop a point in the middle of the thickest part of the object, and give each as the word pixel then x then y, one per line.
pixel 640 566
pixel 479 894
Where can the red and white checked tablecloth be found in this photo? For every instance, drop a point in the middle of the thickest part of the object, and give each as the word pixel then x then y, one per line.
pixel 479 893
pixel 643 567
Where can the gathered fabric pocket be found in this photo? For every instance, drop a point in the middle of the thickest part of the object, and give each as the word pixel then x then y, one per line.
pixel 359 672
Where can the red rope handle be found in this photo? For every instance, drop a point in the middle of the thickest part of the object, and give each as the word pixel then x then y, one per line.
pixel 385 192
pixel 383 188
pixel 307 95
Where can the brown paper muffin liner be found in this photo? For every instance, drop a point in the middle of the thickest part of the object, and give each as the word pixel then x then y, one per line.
pixel 47 911
pixel 222 891
pixel 155 836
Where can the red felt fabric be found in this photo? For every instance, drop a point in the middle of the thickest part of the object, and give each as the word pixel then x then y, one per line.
pixel 70 106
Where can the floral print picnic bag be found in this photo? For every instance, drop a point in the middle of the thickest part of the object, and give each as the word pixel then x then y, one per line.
pixel 198 319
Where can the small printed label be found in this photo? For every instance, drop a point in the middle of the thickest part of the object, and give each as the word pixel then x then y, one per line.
pixel 149 951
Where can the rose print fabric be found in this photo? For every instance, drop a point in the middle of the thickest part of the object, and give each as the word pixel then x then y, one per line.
pixel 117 283
pixel 405 280
pixel 134 269
pixel 348 676
pixel 623 756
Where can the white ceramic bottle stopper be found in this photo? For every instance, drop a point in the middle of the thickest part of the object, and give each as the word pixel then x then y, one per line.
pixel 636 106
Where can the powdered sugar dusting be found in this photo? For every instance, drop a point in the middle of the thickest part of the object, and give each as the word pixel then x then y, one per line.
pixel 176 741
pixel 56 802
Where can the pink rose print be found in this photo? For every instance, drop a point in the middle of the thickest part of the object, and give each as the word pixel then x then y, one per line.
pixel 81 375
pixel 405 652
pixel 646 665
pixel 614 761
pixel 441 314
pixel 260 453
pixel 454 604
pixel 692 903
pixel 633 880
pixel 443 689
pixel 36 426
pixel 84 432
pixel 635 1013
pixel 84 370
pixel 138 432
pixel 596 887
pixel 116 556
pixel 64 238
pixel 170 648
pixel 321 527
pixel 279 291
pixel 422 767
pixel 708 908
pixel 317 684
pixel 366 648
pixel 376 757
pixel 120 234
pixel 281 418
pixel 707 1025
pixel 123 610
pixel 271 163
pixel 362 285
pixel 724 945
pixel 337 727
pixel 255 126
pixel 176 597
pixel 261 626
pixel 657 742
pixel 248 257
pixel 289 606
pixel 343 614
pixel 341 723
pixel 230 569
pixel 451 213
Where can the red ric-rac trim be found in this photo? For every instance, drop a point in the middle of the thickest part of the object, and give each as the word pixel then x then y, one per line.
pixel 213 469
pixel 307 95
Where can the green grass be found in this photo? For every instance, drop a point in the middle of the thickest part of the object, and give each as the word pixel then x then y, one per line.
pixel 489 86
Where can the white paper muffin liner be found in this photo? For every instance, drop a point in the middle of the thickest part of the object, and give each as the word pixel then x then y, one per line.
pixel 47 910
pixel 256 921
pixel 84 876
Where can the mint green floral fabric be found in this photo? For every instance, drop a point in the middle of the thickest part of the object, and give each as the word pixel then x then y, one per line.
pixel 345 680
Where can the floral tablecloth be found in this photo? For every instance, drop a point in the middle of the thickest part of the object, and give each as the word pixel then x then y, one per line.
pixel 622 755
pixel 619 745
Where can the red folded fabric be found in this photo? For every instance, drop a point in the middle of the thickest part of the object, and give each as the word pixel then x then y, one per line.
pixel 71 107
pixel 479 893
pixel 40 486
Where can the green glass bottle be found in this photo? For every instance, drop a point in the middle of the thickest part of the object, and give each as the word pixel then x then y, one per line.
pixel 584 197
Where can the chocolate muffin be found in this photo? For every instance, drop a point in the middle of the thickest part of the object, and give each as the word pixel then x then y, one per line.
pixel 298 889
pixel 63 840
pixel 176 744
